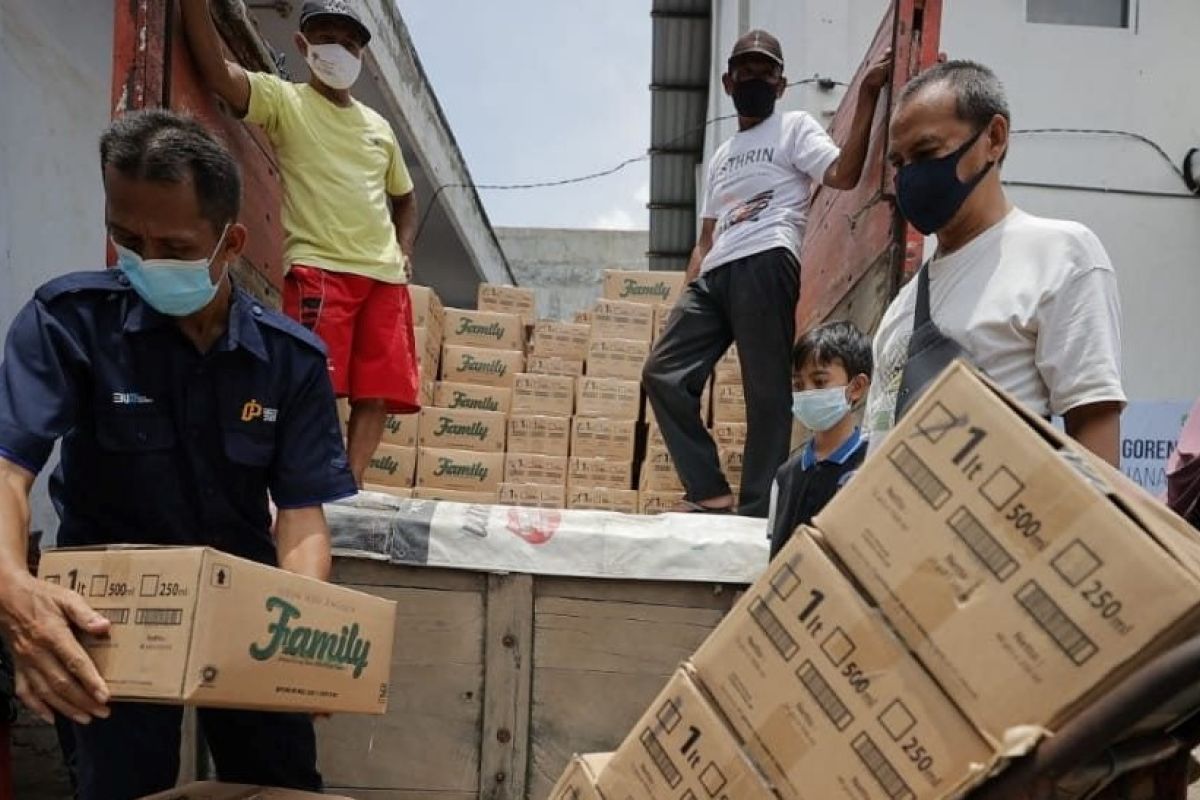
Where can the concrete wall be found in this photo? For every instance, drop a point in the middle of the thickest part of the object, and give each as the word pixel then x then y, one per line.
pixel 55 63
pixel 1138 79
pixel 564 266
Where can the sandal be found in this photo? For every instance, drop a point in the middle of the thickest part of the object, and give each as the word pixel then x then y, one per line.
pixel 688 507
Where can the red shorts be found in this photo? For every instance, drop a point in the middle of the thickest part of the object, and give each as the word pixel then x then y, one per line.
pixel 367 327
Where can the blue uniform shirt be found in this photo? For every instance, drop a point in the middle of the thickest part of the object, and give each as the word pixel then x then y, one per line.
pixel 162 444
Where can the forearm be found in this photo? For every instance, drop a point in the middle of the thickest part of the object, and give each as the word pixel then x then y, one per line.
pixel 203 39
pixel 1098 428
pixel 15 483
pixel 226 79
pixel 404 217
pixel 848 168
pixel 303 542
pixel 693 267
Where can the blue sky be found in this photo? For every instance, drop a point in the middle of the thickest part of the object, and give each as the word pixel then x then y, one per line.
pixel 540 90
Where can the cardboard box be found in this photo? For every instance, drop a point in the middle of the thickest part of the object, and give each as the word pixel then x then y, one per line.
pixel 826 697
pixel 619 319
pixel 540 434
pixel 555 365
pixel 562 339
pixel 662 315
pixel 553 395
pixel 508 300
pixel 729 434
pixel 481 366
pixel 659 473
pixel 587 472
pixel 403 492
pixel 488 329
pixel 211 790
pixel 656 502
pixel 681 748
pixel 1027 575
pixel 425 398
pixel 611 398
pixel 462 470
pixel 654 437
pixel 401 429
pixel 603 438
pixel 617 358
pixel 485 497
pixel 472 397
pixel 731 459
pixel 428 345
pixel 427 310
pixel 196 626
pixel 651 287
pixel 391 466
pixel 602 498
pixel 456 429
pixel 582 318
pixel 578 781
pixel 533 495
pixel 728 403
pixel 729 367
pixel 520 468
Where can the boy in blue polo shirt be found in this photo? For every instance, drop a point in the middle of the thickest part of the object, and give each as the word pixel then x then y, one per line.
pixel 831 368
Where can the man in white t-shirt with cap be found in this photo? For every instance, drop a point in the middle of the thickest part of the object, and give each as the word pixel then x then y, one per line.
pixel 744 275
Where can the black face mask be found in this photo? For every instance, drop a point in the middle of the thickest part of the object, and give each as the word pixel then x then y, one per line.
pixel 929 192
pixel 754 98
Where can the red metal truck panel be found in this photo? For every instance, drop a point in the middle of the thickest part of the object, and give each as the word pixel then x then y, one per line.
pixel 857 233
pixel 152 67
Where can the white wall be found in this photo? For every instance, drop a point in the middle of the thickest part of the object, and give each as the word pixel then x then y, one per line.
pixel 55 67
pixel 1143 79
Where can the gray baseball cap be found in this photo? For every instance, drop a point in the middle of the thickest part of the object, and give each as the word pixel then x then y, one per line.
pixel 316 9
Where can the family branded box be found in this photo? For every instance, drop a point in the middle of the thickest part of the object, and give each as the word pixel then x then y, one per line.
pixel 481 365
pixel 650 287
pixel 458 429
pixel 196 626
pixel 472 397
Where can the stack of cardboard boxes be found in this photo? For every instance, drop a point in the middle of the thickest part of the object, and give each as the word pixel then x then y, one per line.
pixel 548 414
pixel 463 435
pixel 872 662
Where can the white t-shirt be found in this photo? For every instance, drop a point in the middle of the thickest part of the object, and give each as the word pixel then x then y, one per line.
pixel 1034 303
pixel 759 183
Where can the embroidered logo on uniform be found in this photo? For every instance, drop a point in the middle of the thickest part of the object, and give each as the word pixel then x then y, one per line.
pixel 253 410
pixel 131 399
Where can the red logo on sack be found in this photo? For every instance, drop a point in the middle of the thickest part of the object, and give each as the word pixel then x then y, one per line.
pixel 535 526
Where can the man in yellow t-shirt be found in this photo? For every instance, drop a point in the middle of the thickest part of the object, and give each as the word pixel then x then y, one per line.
pixel 349 212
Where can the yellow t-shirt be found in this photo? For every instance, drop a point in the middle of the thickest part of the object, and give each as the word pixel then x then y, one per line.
pixel 339 167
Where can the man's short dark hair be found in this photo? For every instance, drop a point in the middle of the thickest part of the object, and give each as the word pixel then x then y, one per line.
pixel 980 93
pixel 835 341
pixel 165 147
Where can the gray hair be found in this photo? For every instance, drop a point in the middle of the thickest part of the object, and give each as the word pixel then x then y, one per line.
pixel 980 93
pixel 165 147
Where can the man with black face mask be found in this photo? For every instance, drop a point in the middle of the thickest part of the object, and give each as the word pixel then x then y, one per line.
pixel 1030 301
pixel 744 274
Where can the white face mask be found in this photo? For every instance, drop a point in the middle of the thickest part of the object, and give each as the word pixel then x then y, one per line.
pixel 334 65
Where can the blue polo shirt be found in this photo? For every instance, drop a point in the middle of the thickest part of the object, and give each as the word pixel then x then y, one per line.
pixel 804 485
pixel 162 444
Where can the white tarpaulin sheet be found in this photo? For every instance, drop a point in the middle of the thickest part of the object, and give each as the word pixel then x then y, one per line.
pixel 595 544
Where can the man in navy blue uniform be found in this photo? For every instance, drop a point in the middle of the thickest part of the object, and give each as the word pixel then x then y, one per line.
pixel 181 404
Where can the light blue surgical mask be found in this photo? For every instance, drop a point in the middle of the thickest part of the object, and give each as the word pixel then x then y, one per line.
pixel 171 286
pixel 821 409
